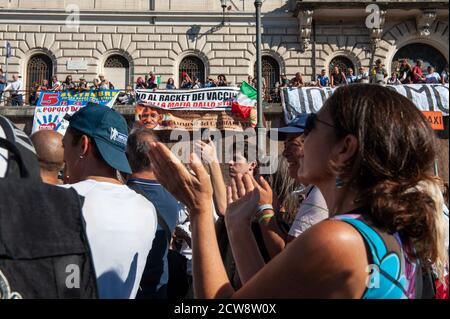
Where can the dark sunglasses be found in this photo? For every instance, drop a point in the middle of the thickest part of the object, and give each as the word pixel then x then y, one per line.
pixel 311 123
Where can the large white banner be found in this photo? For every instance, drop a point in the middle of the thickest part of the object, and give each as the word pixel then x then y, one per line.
pixel 191 109
pixel 427 97
pixel 53 106
pixel 207 99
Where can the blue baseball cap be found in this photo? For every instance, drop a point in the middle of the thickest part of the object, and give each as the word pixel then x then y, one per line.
pixel 109 131
pixel 296 126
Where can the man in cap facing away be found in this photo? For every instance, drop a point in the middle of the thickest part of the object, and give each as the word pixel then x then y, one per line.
pixel 120 224
pixel 50 153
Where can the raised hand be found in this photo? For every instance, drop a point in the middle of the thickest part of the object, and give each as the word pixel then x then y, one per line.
pixel 243 198
pixel 208 151
pixel 265 191
pixel 193 190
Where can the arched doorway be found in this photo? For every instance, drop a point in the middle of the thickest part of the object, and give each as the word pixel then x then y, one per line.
pixel 194 67
pixel 117 71
pixel 39 68
pixel 420 51
pixel 270 73
pixel 342 62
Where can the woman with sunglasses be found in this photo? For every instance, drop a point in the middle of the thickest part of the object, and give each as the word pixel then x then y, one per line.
pixel 386 223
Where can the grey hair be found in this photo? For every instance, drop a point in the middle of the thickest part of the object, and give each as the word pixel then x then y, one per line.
pixel 138 148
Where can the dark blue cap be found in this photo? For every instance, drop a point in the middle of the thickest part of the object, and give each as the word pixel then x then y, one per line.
pixel 109 131
pixel 296 126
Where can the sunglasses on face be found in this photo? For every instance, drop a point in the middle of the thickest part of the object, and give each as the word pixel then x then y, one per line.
pixel 311 123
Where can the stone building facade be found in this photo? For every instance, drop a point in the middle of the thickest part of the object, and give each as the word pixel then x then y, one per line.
pixel 125 39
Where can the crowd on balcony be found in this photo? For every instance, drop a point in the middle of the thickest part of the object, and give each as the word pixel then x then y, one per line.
pixel 404 73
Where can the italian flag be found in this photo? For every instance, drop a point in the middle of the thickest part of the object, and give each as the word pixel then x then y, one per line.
pixel 245 103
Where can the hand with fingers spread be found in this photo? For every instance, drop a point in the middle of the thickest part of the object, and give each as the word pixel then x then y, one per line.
pixel 243 198
pixel 208 151
pixel 195 191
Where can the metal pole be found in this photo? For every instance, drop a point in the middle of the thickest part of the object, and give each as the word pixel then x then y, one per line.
pixel 259 89
pixel 6 65
pixel 258 4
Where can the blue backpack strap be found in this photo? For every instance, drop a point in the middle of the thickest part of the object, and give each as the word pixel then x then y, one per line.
pixel 373 239
pixel 376 245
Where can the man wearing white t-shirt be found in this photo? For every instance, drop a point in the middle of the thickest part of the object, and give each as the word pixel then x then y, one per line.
pixel 120 224
pixel 16 88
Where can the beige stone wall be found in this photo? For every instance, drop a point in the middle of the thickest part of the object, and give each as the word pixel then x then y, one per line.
pixel 228 49
pixel 132 5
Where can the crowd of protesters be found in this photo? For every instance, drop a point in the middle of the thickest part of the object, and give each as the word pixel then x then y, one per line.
pixel 351 190
pixel 404 73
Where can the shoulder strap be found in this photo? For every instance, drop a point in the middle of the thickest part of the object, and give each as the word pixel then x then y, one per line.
pixel 376 244
pixel 17 157
pixel 425 284
pixel 309 192
pixel 161 220
pixel 373 239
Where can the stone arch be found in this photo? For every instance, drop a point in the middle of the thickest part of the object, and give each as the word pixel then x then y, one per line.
pixel 270 53
pixel 196 53
pixel 406 33
pixel 350 55
pixel 124 54
pixel 25 59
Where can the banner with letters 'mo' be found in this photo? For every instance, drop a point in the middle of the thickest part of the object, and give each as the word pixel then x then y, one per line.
pixel 184 109
pixel 427 98
pixel 53 106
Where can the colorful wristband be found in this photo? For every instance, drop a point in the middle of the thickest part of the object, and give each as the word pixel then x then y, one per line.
pixel 262 208
pixel 265 216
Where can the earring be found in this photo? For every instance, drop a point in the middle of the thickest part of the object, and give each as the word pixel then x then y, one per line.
pixel 81 156
pixel 339 182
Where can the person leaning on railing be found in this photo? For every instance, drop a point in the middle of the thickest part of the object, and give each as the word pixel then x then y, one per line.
pixel 16 88
pixel 210 83
pixel 140 84
pixel 393 80
pixel 432 77
pixel 128 97
pixel 170 85
pixel 187 82
pixel 43 87
pixel 444 75
pixel 222 80
pixel 56 85
pixel 82 85
pixel 95 84
pixel 405 74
